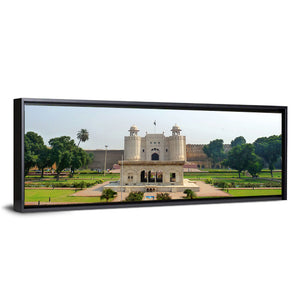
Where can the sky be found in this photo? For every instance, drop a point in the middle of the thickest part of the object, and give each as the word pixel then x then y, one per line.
pixel 108 126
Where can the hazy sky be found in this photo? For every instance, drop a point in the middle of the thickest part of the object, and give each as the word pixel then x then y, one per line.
pixel 108 126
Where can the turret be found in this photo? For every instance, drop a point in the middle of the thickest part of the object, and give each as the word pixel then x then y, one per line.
pixel 176 130
pixel 133 130
pixel 132 145
pixel 177 145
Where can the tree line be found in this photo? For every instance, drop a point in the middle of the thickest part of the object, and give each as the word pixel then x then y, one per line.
pixel 243 156
pixel 63 152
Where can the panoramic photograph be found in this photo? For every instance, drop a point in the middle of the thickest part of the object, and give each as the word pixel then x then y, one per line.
pixel 81 155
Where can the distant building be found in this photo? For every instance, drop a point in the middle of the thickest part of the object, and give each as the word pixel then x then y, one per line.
pixel 113 156
pixel 196 155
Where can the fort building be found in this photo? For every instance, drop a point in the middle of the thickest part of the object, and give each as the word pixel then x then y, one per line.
pixel 153 163
pixel 194 154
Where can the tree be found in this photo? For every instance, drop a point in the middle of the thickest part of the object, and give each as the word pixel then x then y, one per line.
pixel 269 148
pixel 134 196
pixel 215 151
pixel 255 165
pixel 240 140
pixel 190 194
pixel 108 194
pixel 238 157
pixel 89 159
pixel 32 145
pixel 61 153
pixel 44 159
pixel 79 158
pixel 82 136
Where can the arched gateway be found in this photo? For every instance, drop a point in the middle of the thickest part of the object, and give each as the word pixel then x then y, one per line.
pixel 154 162
pixel 154 156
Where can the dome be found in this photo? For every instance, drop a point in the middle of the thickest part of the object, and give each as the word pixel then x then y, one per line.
pixel 133 128
pixel 176 128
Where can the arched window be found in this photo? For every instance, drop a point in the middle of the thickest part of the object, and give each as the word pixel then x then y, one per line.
pixel 154 156
pixel 143 176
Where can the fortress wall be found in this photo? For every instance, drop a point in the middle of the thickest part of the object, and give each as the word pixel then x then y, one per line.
pixel 194 154
pixel 113 156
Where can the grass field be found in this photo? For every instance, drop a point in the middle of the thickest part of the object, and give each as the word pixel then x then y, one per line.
pixel 88 179
pixel 58 196
pixel 75 177
pixel 255 192
pixel 61 196
pixel 188 175
pixel 227 174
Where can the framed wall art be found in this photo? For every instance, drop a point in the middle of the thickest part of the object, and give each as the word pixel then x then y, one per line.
pixel 79 154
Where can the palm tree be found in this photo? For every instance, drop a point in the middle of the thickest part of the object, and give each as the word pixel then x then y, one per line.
pixel 82 136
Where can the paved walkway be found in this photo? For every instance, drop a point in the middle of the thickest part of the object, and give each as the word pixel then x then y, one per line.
pixel 94 191
pixel 206 190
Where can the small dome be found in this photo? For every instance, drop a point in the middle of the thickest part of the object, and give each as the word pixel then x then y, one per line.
pixel 133 128
pixel 176 128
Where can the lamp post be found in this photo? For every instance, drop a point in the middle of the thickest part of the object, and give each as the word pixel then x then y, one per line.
pixel 122 179
pixel 105 160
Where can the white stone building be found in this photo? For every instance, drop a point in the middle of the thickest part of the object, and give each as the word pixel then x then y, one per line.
pixel 154 147
pixel 154 163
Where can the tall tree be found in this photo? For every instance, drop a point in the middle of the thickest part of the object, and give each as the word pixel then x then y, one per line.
pixel 79 158
pixel 215 151
pixel 82 136
pixel 44 159
pixel 32 145
pixel 255 165
pixel 238 157
pixel 89 159
pixel 269 148
pixel 61 153
pixel 240 140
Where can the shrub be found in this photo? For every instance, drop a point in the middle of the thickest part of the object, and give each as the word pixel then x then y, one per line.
pixel 190 194
pixel 163 196
pixel 134 196
pixel 209 181
pixel 223 184
pixel 108 194
pixel 86 172
pixel 81 184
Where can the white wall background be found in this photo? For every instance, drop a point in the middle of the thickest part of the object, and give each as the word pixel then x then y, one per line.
pixel 243 52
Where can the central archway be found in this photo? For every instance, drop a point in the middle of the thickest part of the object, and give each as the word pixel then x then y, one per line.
pixel 154 156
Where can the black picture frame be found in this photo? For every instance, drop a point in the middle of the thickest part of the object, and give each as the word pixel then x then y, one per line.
pixel 19 131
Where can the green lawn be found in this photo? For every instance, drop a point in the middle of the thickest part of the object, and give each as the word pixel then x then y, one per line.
pixel 89 180
pixel 58 196
pixel 227 174
pixel 98 176
pixel 76 177
pixel 255 192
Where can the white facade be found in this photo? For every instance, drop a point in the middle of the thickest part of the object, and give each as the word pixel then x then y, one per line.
pixel 154 147
pixel 153 163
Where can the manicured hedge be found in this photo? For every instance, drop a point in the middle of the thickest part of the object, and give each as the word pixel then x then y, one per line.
pixel 232 184
pixel 65 184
